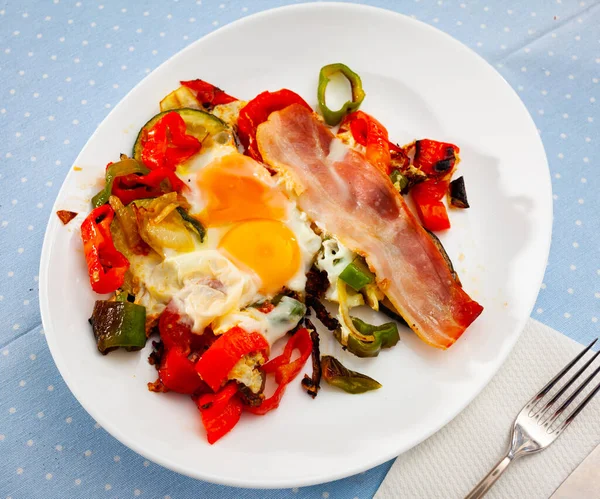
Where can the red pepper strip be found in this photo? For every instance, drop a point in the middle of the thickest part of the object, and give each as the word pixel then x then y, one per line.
pixel 106 266
pixel 177 373
pixel 428 197
pixel 131 187
pixel 436 159
pixel 285 371
pixel 368 132
pixel 208 95
pixel 230 347
pixel 220 412
pixel 174 333
pixel 167 145
pixel 257 111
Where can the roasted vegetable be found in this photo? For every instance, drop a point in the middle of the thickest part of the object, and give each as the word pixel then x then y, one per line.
pixel 357 275
pixel 384 336
pixel 180 98
pixel 199 125
pixel 442 250
pixel 458 193
pixel 118 324
pixel 126 166
pixel 333 118
pixel 192 223
pixel 220 411
pixel 106 266
pixel 257 111
pixel 207 95
pixel 125 217
pixel 337 375
pixel 312 384
pixel 217 362
pixel 285 369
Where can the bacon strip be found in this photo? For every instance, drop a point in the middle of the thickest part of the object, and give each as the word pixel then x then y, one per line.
pixel 352 200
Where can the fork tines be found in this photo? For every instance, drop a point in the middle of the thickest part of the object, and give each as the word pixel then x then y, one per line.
pixel 548 413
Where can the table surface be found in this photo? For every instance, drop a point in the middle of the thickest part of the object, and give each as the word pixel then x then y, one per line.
pixel 65 63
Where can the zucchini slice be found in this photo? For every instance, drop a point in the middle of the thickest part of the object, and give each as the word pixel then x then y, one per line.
pixel 200 124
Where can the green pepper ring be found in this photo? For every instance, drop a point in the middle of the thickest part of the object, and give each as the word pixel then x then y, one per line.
pixel 333 118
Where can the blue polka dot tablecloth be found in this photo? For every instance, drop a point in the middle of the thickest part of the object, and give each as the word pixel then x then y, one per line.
pixel 65 63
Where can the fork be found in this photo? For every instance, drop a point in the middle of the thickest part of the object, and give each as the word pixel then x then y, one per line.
pixel 533 428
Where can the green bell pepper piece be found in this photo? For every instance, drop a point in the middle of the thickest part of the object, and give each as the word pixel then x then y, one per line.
pixel 400 181
pixel 386 336
pixel 192 223
pixel 118 324
pixel 358 94
pixel 124 167
pixel 357 275
pixel 336 374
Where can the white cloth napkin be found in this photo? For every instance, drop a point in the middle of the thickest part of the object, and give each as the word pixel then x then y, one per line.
pixel 452 461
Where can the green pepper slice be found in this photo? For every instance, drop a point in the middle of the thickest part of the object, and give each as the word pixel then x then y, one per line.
pixel 386 336
pixel 400 181
pixel 358 94
pixel 357 275
pixel 336 374
pixel 118 324
pixel 124 167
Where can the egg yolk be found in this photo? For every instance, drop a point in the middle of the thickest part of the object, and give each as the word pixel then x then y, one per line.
pixel 268 247
pixel 238 188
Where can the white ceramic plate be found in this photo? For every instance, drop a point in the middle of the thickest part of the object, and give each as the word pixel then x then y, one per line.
pixel 419 83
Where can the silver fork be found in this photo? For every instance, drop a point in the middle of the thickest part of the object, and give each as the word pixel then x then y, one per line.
pixel 533 428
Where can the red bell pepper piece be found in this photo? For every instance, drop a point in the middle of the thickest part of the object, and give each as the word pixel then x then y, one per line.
pixel 208 95
pixel 428 197
pixel 436 159
pixel 131 187
pixel 106 265
pixel 257 111
pixel 177 373
pixel 225 352
pixel 368 132
pixel 220 411
pixel 174 333
pixel 285 370
pixel 167 144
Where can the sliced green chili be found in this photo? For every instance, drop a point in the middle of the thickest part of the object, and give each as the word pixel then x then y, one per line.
pixel 126 166
pixel 336 374
pixel 357 275
pixel 118 324
pixel 358 94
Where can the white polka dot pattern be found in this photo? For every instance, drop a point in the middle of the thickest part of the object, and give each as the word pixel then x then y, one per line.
pixel 66 63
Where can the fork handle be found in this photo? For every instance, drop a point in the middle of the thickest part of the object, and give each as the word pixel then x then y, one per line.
pixel 490 479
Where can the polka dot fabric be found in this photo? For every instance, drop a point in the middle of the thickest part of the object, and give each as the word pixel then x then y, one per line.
pixel 65 63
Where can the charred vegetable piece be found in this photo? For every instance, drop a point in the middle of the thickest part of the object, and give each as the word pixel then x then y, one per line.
pixel 257 111
pixel 387 308
pixel 207 94
pixel 337 375
pixel 66 216
pixel 198 125
pixel 434 158
pixel 220 411
pixel 285 369
pixel 371 134
pixel 322 313
pixel 192 223
pixel 386 336
pixel 316 282
pixel 357 275
pixel 458 193
pixel 312 384
pixel 333 118
pixel 121 168
pixel 106 265
pixel 216 363
pixel 442 250
pixel 118 324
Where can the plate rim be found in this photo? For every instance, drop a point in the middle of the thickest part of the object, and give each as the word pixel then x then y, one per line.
pixel 324 477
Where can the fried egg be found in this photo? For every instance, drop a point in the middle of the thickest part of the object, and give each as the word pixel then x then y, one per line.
pixel 257 244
